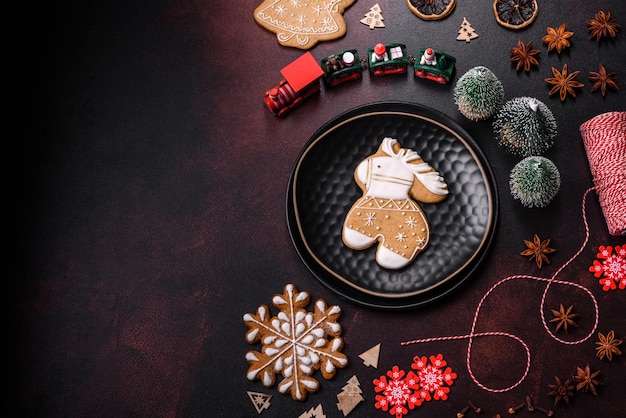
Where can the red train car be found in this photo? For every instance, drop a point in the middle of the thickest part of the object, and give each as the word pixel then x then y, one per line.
pixel 301 80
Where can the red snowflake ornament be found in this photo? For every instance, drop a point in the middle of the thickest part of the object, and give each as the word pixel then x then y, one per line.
pixel 434 379
pixel 399 391
pixel 396 392
pixel 610 267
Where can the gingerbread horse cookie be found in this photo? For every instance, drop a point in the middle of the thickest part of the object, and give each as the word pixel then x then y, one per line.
pixel 392 180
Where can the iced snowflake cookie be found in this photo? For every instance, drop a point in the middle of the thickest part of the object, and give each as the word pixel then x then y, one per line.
pixel 303 23
pixel 295 343
pixel 392 180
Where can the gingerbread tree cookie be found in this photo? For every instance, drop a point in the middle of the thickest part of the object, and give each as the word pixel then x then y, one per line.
pixel 295 343
pixel 301 24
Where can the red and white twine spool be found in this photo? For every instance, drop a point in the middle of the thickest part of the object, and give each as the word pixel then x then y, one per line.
pixel 604 137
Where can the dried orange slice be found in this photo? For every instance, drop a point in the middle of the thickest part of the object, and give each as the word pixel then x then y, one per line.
pixel 515 14
pixel 431 9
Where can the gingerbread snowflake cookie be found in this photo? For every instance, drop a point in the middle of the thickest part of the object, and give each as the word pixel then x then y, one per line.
pixel 303 23
pixel 392 180
pixel 295 343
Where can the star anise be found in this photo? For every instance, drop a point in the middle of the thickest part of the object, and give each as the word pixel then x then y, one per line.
pixel 561 390
pixel 607 346
pixel 564 318
pixel 557 38
pixel 602 25
pixel 537 250
pixel 524 55
pixel 563 82
pixel 602 79
pixel 586 380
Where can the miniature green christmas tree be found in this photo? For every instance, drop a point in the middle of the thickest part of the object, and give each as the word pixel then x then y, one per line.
pixel 525 126
pixel 534 181
pixel 478 93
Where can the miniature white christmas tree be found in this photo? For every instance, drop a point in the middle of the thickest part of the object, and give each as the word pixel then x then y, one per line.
pixel 466 31
pixel 478 93
pixel 534 181
pixel 525 126
pixel 374 18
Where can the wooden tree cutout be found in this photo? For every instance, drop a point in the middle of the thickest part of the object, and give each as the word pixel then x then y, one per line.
pixel 316 412
pixel 374 18
pixel 370 357
pixel 350 396
pixel 466 32
pixel 261 401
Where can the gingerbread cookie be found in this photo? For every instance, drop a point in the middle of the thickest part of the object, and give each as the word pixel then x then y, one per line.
pixel 392 180
pixel 303 23
pixel 295 343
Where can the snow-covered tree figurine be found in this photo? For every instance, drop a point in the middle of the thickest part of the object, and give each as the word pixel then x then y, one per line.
pixel 534 181
pixel 478 93
pixel 525 126
pixel 374 18
pixel 466 31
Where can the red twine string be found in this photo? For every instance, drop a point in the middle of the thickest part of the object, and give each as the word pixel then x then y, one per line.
pixel 604 137
pixel 550 281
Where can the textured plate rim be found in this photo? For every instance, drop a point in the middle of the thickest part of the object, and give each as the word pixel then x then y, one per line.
pixel 344 286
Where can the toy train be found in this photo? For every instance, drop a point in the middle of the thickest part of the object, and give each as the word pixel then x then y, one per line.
pixel 301 78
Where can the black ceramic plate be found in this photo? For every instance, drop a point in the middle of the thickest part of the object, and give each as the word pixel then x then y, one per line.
pixel 322 190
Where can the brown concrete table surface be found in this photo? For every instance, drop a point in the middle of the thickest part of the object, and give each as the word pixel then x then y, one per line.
pixel 150 213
